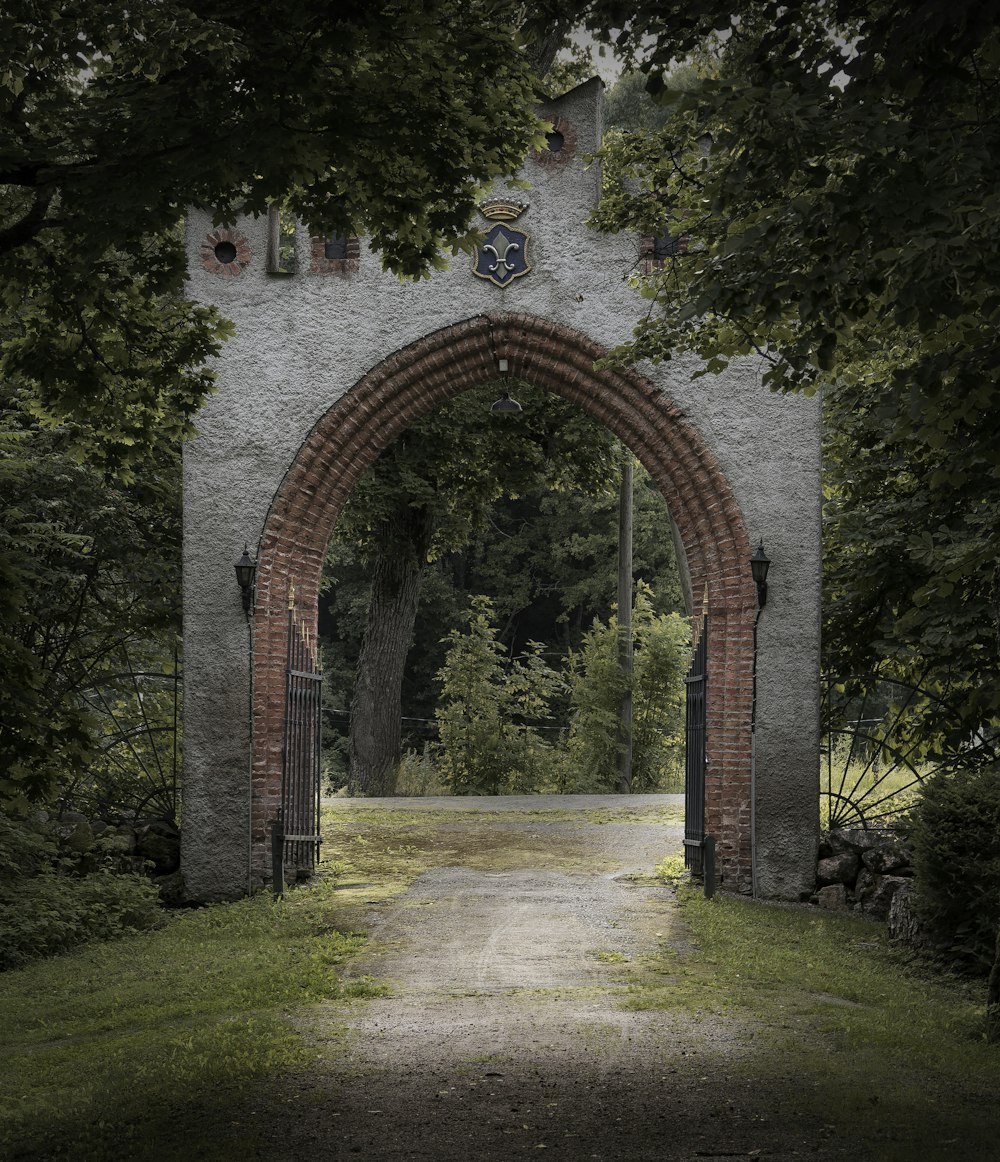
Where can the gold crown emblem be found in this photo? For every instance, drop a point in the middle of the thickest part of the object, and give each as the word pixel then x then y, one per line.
pixel 502 209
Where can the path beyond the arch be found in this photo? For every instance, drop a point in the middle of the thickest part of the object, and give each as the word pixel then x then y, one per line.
pixel 509 1030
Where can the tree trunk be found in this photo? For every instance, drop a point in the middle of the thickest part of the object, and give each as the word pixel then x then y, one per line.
pixel 376 708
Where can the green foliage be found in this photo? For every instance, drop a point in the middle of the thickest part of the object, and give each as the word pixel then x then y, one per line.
pixel 90 570
pixel 794 978
pixel 112 121
pixel 551 561
pixel 909 556
pixel 138 736
pixel 853 146
pixel 628 106
pixel 46 908
pixel 419 774
pixel 51 913
pixel 597 685
pixel 955 832
pixel 671 870
pixel 455 462
pixel 115 123
pixel 571 67
pixel 490 707
pixel 662 644
pixel 25 848
pixel 103 348
pixel 548 562
pixel 426 495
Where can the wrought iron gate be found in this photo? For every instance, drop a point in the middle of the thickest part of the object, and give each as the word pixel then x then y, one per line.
pixel 695 684
pixel 295 843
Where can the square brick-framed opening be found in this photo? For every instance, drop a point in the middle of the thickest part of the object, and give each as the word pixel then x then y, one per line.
pixel 415 380
pixel 348 264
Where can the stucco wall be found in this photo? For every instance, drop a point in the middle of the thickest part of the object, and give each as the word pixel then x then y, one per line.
pixel 301 342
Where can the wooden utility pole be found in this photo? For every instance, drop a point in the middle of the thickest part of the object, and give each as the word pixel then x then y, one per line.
pixel 625 624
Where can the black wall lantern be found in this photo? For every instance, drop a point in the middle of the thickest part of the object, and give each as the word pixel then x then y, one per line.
pixel 759 565
pixel 246 569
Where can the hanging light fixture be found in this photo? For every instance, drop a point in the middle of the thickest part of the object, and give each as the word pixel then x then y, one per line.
pixel 759 565
pixel 506 404
pixel 246 570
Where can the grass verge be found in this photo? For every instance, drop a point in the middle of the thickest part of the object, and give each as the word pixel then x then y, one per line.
pixel 875 1044
pixel 136 1049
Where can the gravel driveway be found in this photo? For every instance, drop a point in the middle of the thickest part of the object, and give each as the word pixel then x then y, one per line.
pixel 505 1034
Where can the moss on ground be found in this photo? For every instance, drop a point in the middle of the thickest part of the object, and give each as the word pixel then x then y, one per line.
pixel 139 1048
pixel 379 853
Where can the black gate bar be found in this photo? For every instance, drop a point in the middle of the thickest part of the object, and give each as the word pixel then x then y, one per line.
pixel 295 836
pixel 695 686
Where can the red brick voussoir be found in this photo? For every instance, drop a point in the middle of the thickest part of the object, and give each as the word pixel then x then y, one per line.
pixel 412 382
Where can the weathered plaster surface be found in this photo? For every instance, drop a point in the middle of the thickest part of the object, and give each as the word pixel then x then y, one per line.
pixel 301 342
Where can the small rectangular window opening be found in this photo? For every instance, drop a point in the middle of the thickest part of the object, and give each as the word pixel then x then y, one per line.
pixel 666 245
pixel 335 249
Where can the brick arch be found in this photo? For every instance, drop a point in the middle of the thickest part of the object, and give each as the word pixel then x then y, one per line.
pixel 346 440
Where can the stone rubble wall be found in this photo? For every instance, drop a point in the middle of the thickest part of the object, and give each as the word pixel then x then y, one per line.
pixel 870 873
pixel 122 842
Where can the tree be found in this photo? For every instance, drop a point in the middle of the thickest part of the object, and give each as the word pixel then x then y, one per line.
pixel 489 710
pixel 117 116
pixel 549 561
pixel 842 224
pixel 425 496
pixel 546 561
pixel 90 572
pixel 113 119
pixel 596 684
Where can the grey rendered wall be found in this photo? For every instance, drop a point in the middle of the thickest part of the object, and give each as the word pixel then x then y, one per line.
pixel 301 342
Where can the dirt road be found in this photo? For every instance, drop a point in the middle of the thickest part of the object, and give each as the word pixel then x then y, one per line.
pixel 507 1031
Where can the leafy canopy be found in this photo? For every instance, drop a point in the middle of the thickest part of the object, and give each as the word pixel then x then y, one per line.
pixel 835 176
pixel 377 118
pixel 452 464
pixel 382 118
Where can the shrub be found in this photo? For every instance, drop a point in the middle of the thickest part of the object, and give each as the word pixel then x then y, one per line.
pixel 25 847
pixel 489 745
pixel 49 913
pixel 596 687
pixel 955 832
pixel 419 775
pixel 45 908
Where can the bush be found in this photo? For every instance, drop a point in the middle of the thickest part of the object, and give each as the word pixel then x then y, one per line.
pixel 955 832
pixel 596 687
pixel 488 711
pixel 49 913
pixel 25 847
pixel 45 908
pixel 419 775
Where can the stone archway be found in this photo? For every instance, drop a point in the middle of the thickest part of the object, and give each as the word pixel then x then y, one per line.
pixel 418 378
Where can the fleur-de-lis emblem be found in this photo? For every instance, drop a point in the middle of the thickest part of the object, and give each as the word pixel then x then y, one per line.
pixel 503 254
pixel 501 259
